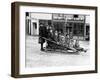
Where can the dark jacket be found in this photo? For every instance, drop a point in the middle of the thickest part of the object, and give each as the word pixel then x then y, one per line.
pixel 42 33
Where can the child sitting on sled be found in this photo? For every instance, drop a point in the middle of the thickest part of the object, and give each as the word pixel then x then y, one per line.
pixel 77 46
pixel 71 45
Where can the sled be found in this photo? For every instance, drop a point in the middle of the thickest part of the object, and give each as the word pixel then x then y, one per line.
pixel 58 48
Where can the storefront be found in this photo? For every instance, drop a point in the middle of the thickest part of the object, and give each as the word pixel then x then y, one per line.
pixel 78 25
pixel 34 19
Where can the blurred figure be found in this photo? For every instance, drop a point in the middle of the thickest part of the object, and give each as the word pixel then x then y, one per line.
pixel 56 36
pixel 77 46
pixel 71 45
pixel 61 39
pixel 42 35
pixel 67 40
pixel 59 33
pixel 71 35
pixel 50 38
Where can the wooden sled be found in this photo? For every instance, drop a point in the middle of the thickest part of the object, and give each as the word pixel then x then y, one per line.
pixel 62 49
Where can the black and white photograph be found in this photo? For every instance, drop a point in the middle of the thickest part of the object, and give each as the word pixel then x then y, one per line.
pixel 55 39
pixel 51 39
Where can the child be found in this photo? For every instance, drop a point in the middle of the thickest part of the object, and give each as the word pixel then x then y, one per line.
pixel 56 36
pixel 71 45
pixel 61 39
pixel 77 46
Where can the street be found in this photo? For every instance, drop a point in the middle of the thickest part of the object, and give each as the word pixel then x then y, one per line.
pixel 37 58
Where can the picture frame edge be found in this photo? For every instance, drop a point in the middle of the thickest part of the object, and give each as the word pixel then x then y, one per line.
pixel 15 39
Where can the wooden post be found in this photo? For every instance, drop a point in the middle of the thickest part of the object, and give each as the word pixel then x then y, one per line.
pixel 64 29
pixel 84 27
pixel 52 23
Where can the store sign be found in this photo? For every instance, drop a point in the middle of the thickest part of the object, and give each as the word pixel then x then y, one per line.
pixel 58 17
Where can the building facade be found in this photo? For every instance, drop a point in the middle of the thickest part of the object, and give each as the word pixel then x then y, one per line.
pixel 78 25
